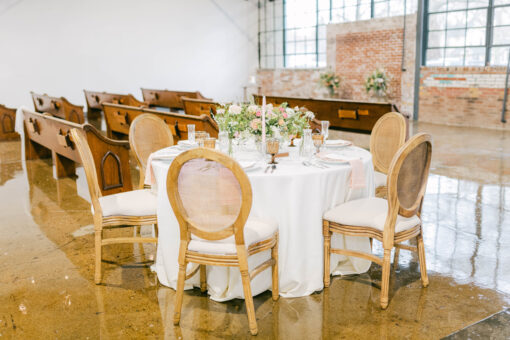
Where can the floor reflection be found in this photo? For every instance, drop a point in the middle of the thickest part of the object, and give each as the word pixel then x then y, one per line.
pixel 46 260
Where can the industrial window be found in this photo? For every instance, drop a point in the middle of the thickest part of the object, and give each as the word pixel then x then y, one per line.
pixel 292 33
pixel 467 32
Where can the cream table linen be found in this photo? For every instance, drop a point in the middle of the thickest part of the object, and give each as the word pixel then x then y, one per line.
pixel 297 197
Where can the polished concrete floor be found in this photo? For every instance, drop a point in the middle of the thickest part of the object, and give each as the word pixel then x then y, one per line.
pixel 46 263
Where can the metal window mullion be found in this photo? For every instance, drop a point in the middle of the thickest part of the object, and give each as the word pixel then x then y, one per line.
pixel 258 35
pixel 488 32
pixel 316 33
pixel 371 9
pixel 284 30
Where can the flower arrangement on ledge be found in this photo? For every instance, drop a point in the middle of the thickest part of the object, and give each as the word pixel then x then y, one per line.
pixel 377 83
pixel 330 81
pixel 245 120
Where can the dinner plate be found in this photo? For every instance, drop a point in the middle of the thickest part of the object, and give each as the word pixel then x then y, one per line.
pixel 332 158
pixel 186 144
pixel 337 143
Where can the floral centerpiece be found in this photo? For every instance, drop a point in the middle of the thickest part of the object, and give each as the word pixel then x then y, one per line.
pixel 377 83
pixel 244 120
pixel 330 81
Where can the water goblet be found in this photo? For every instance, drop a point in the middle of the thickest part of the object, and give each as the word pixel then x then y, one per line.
pixel 318 140
pixel 191 133
pixel 272 147
pixel 210 143
pixel 325 128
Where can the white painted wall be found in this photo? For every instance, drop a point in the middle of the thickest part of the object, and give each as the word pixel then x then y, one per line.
pixel 61 47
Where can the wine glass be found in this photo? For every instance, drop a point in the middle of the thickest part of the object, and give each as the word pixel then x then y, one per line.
pixel 191 133
pixel 210 143
pixel 325 128
pixel 272 147
pixel 200 136
pixel 318 140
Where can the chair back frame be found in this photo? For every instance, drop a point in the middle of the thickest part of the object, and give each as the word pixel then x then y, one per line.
pixel 399 134
pixel 395 207
pixel 186 226
pixel 135 144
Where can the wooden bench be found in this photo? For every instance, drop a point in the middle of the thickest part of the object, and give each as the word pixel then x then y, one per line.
pixel 168 99
pixel 7 123
pixel 198 107
pixel 342 114
pixel 119 117
pixel 47 136
pixel 95 100
pixel 58 107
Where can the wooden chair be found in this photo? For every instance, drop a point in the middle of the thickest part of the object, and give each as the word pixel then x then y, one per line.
pixel 7 119
pixel 147 134
pixel 388 135
pixel 211 197
pixel 130 208
pixel 391 221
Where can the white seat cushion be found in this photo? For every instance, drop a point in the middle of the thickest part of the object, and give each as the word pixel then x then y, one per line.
pixel 368 212
pixel 130 203
pixel 255 230
pixel 380 179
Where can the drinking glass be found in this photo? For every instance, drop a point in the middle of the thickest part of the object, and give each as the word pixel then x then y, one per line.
pixel 318 139
pixel 272 147
pixel 191 133
pixel 307 144
pixel 223 141
pixel 200 136
pixel 210 143
pixel 325 128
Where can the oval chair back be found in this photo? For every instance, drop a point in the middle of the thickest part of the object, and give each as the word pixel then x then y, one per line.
pixel 388 135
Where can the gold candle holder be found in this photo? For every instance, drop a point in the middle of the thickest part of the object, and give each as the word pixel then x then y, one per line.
pixel 272 147
pixel 210 143
pixel 318 140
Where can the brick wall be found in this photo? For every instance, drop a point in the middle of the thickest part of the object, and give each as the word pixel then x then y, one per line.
pixel 354 50
pixel 463 96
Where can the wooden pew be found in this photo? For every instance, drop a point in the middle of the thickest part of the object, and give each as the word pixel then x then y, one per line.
pixel 342 114
pixel 96 99
pixel 169 99
pixel 47 136
pixel 119 117
pixel 7 123
pixel 198 107
pixel 58 107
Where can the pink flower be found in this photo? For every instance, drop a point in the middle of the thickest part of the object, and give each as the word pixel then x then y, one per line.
pixel 281 109
pixel 285 115
pixel 258 114
pixel 254 124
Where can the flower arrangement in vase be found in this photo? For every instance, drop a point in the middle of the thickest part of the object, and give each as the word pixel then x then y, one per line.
pixel 377 83
pixel 330 81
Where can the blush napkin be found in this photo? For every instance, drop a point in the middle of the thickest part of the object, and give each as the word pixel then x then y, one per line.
pixel 357 172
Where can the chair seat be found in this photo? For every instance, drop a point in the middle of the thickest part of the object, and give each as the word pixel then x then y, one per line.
pixel 368 212
pixel 129 203
pixel 380 179
pixel 255 230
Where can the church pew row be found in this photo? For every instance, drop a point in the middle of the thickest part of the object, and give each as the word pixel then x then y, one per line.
pixel 7 123
pixel 342 114
pixel 95 100
pixel 47 136
pixel 58 107
pixel 168 99
pixel 119 117
pixel 198 107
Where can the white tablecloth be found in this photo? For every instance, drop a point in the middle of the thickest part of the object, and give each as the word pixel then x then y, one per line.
pixel 297 197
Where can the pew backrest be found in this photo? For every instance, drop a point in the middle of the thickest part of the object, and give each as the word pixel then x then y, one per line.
pixel 96 99
pixel 7 123
pixel 169 99
pixel 198 107
pixel 58 107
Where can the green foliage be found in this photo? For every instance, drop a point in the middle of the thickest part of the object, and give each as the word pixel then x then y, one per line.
pixel 377 82
pixel 330 81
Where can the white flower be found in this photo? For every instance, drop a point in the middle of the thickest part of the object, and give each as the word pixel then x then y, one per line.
pixel 290 112
pixel 220 111
pixel 252 108
pixel 309 115
pixel 235 109
pixel 269 107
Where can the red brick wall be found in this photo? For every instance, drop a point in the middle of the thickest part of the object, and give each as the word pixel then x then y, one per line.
pixel 474 96
pixel 358 54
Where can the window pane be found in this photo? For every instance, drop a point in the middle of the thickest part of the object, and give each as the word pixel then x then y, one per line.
pixel 456 19
pixel 457 4
pixel 380 10
pixel 501 2
pixel 300 47
pixel 454 56
pixel 436 39
pixel 350 13
pixel 455 38
pixel 478 3
pixel 322 46
pixel 475 56
pixel 364 12
pixel 324 5
pixel 437 5
pixel 435 57
pixel 310 47
pixel 477 18
pixel 499 56
pixel 501 35
pixel 437 21
pixel 501 16
pixel 322 60
pixel 397 7
pixel 290 48
pixel 475 37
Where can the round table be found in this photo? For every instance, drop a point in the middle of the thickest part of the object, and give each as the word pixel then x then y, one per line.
pixel 297 197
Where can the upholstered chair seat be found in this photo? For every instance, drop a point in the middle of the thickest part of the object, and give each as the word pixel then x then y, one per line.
pixel 380 179
pixel 368 212
pixel 255 231
pixel 131 203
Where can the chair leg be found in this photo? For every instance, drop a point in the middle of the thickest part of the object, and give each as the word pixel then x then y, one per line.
pixel 203 278
pixel 423 264
pixel 156 230
pixel 248 298
pixel 98 235
pixel 385 280
pixel 395 257
pixel 179 292
pixel 327 252
pixel 274 272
